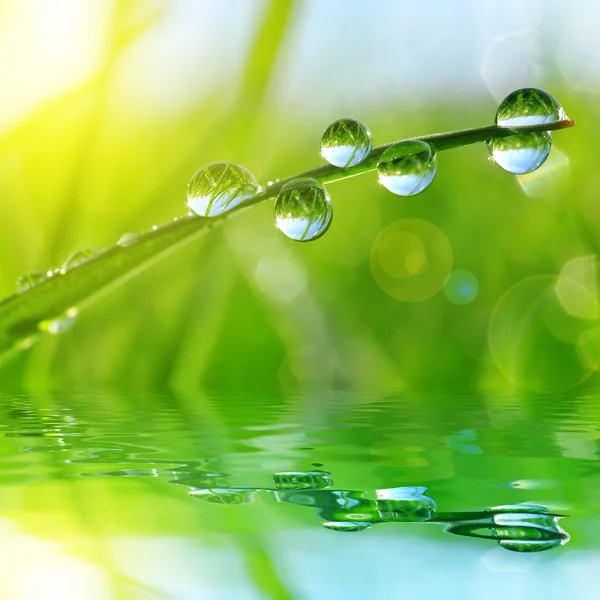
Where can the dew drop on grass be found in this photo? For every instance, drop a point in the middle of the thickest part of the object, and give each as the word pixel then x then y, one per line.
pixel 127 239
pixel 303 210
pixel 218 187
pixel 346 142
pixel 521 153
pixel 408 174
pixel 347 525
pixel 229 496
pixel 529 106
pixel 28 280
pixel 77 258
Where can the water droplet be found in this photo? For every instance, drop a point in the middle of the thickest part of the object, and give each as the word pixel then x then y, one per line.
pixel 405 504
pixel 59 324
pixel 154 227
pixel 127 239
pixel 408 174
pixel 529 106
pixel 303 210
pixel 347 525
pixel 533 509
pixel 461 287
pixel 77 258
pixel 299 480
pixel 521 153
pixel 219 187
pixel 346 142
pixel 225 495
pixel 28 280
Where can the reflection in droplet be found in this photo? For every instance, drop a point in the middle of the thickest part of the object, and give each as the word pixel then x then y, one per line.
pixel 218 187
pixel 300 480
pixel 28 280
pixel 347 525
pixel 411 173
pixel 411 259
pixel 522 153
pixel 303 210
pixel 529 106
pixel 461 287
pixel 59 324
pixel 405 504
pixel 346 142
pixel 77 258
pixel 225 495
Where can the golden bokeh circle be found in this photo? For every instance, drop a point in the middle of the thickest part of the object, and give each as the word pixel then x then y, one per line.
pixel 411 259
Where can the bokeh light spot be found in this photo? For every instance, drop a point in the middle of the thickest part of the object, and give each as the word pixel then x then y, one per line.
pixel 535 343
pixel 461 287
pixel 411 259
pixel 576 287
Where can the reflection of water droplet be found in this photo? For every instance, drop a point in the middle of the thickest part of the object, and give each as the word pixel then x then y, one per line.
pixel 518 508
pixel 225 495
pixel 300 480
pixel 522 153
pixel 77 258
pixel 347 525
pixel 218 187
pixel 28 280
pixel 529 106
pixel 303 210
pixel 59 324
pixel 405 504
pixel 127 239
pixel 411 259
pixel 461 287
pixel 346 142
pixel 411 173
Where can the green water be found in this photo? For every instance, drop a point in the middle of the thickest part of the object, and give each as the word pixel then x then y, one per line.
pixel 161 496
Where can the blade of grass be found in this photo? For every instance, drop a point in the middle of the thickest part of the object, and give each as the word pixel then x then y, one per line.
pixel 21 314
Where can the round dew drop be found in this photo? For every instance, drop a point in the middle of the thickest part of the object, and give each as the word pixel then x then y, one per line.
pixel 218 187
pixel 346 143
pixel 77 258
pixel 529 106
pixel 521 153
pixel 410 173
pixel 303 210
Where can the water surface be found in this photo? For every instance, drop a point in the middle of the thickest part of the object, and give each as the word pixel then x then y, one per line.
pixel 111 495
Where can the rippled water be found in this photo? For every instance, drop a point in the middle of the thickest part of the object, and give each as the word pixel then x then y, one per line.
pixel 119 496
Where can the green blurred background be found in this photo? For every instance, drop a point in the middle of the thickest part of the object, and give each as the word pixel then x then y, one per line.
pixel 108 108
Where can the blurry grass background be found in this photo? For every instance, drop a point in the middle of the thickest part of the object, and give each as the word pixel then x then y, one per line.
pixel 107 109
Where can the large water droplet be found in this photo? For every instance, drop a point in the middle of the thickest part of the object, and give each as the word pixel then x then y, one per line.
pixel 346 142
pixel 77 258
pixel 411 173
pixel 28 280
pixel 347 525
pixel 529 106
pixel 59 324
pixel 219 187
pixel 303 210
pixel 300 480
pixel 521 153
